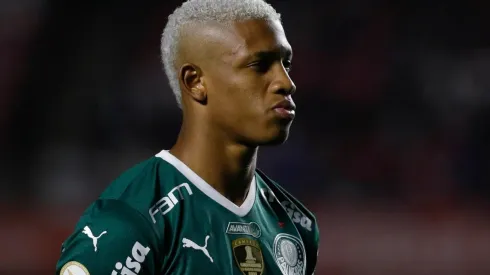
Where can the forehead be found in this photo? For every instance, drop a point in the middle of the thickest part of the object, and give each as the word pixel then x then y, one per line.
pixel 259 35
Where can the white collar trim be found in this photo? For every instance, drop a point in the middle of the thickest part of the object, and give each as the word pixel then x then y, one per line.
pixel 207 189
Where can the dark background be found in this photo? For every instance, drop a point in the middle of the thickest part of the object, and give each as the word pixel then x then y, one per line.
pixel 390 147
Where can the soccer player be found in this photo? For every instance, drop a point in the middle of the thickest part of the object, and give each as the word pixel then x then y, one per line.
pixel 203 207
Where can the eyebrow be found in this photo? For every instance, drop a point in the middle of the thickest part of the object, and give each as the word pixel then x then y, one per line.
pixel 280 51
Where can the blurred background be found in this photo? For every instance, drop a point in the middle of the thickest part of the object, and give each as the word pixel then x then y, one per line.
pixel 390 148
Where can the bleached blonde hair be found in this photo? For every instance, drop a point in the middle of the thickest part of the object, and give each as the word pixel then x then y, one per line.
pixel 202 11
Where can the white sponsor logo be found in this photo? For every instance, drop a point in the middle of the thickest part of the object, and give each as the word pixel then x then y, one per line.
pixel 293 212
pixel 133 264
pixel 251 229
pixel 290 254
pixel 297 216
pixel 167 203
pixel 88 232
pixel 188 243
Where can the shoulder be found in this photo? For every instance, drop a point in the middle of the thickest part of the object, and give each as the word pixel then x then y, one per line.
pixel 118 230
pixel 272 191
pixel 144 175
pixel 142 185
pixel 303 218
pixel 300 215
pixel 110 235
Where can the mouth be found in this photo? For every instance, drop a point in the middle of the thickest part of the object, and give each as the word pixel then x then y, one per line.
pixel 285 109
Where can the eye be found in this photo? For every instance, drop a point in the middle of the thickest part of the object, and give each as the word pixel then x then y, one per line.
pixel 260 66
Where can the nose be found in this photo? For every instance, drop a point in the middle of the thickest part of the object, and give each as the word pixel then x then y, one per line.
pixel 283 84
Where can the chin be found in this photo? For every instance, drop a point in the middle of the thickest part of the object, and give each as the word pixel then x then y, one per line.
pixel 267 135
pixel 276 138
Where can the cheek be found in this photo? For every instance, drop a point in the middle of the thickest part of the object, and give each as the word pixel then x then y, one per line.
pixel 249 100
pixel 226 102
pixel 250 93
pixel 256 101
pixel 239 96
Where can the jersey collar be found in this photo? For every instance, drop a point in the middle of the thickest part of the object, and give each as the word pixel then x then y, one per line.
pixel 208 190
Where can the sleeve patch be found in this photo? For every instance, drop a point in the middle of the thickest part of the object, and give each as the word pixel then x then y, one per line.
pixel 74 268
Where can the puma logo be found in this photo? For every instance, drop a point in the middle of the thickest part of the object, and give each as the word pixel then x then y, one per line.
pixel 88 232
pixel 191 244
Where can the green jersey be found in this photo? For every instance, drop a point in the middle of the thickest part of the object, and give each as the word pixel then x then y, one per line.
pixel 160 217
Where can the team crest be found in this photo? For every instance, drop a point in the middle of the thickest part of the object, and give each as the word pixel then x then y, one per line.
pixel 289 253
pixel 248 256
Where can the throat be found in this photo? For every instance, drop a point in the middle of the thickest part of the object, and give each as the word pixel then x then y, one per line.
pixel 237 194
pixel 229 170
pixel 223 163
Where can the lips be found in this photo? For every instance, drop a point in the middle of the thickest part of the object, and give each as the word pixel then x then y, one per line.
pixel 285 104
pixel 285 109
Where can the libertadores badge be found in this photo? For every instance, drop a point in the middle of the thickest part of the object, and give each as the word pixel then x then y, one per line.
pixel 248 256
pixel 74 268
pixel 290 254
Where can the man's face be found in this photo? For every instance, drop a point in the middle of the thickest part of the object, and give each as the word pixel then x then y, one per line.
pixel 249 88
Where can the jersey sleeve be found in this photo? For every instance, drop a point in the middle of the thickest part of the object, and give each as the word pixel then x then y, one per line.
pixel 305 222
pixel 308 228
pixel 111 238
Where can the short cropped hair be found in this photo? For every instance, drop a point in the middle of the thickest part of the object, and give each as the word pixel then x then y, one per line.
pixel 202 11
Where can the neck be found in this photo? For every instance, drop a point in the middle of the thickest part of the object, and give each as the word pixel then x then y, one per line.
pixel 227 166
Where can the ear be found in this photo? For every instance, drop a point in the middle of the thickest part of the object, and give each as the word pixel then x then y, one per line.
pixel 191 78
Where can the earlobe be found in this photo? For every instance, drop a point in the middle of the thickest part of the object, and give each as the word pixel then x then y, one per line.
pixel 190 76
